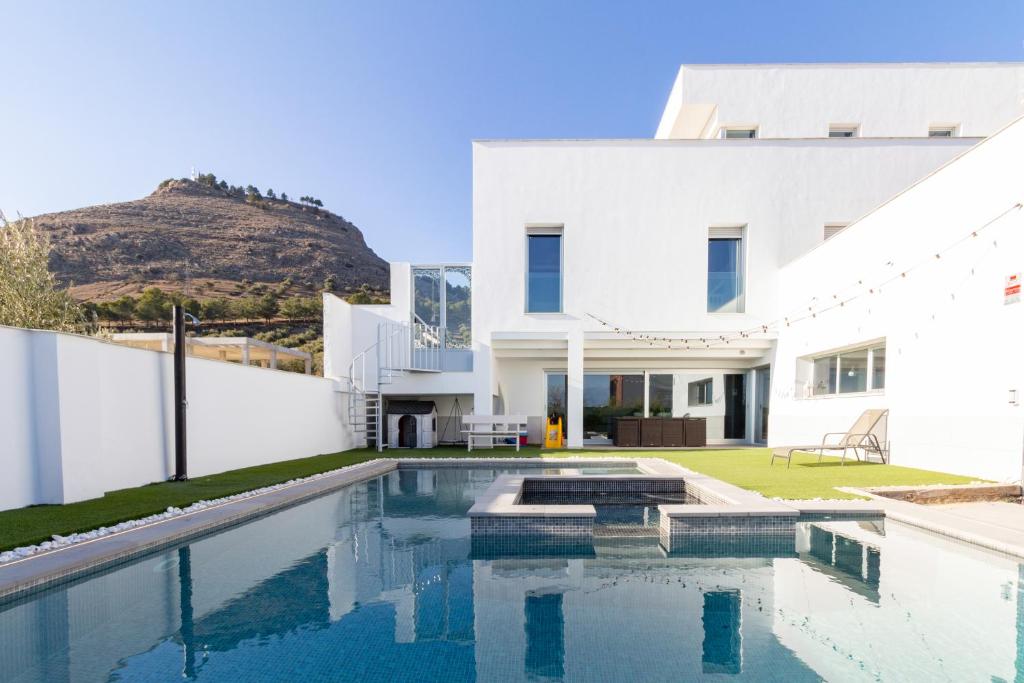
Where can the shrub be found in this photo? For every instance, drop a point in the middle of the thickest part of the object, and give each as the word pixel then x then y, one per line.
pixel 29 293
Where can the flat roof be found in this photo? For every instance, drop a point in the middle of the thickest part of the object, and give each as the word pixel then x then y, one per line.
pixel 860 140
pixel 805 65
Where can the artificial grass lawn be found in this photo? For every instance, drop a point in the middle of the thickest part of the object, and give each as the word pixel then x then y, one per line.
pixel 37 523
pixel 750 468
pixel 747 468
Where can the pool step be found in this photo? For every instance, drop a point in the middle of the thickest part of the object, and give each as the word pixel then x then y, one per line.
pixel 624 531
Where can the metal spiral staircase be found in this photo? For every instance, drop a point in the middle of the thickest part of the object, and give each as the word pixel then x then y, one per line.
pixel 400 348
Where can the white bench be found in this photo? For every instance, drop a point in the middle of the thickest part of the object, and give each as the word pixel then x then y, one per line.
pixel 495 428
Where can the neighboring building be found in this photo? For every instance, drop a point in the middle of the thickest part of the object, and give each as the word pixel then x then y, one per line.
pixel 689 274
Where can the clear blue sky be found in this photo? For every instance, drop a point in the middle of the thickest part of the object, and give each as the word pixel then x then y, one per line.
pixel 372 106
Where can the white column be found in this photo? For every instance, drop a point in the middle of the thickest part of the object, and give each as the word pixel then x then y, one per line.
pixel 574 397
pixel 273 359
pixel 245 353
pixel 483 373
pixel 309 367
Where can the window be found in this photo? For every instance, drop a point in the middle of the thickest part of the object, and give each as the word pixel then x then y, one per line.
pixel 458 302
pixel 606 397
pixel 853 373
pixel 544 271
pixel 659 395
pixel 427 295
pixel 699 393
pixel 842 131
pixel 832 228
pixel 878 368
pixel 825 375
pixel 558 387
pixel 942 132
pixel 849 372
pixel 725 270
pixel 442 301
pixel 737 133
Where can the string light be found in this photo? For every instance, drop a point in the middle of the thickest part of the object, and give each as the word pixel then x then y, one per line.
pixel 787 320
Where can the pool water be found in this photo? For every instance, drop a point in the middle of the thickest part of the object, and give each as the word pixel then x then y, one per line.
pixel 378 582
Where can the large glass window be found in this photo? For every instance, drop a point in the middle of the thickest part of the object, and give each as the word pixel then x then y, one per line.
pixel 878 368
pixel 849 372
pixel 606 397
pixel 659 395
pixel 725 275
pixel 544 273
pixel 427 294
pixel 442 298
pixel 558 387
pixel 458 307
pixel 825 375
pixel 853 371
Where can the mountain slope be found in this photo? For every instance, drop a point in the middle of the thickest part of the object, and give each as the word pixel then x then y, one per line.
pixel 197 236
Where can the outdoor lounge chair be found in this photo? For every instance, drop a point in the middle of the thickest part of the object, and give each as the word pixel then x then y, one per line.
pixel 861 437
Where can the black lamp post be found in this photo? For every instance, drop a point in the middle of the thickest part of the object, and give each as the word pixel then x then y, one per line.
pixel 180 402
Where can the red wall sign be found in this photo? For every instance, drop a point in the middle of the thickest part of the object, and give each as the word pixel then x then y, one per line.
pixel 1011 293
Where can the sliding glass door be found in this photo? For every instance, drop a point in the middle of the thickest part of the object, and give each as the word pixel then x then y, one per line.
pixel 762 386
pixel 606 397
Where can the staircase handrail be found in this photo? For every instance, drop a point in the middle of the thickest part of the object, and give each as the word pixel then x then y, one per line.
pixel 357 367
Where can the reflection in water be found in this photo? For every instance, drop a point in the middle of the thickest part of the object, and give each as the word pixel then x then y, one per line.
pixel 187 631
pixel 1020 625
pixel 721 648
pixel 856 563
pixel 545 636
pixel 381 582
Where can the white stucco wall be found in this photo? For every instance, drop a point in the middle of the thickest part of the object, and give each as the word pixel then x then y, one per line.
pixel 802 100
pixel 953 347
pixel 81 417
pixel 350 329
pixel 635 217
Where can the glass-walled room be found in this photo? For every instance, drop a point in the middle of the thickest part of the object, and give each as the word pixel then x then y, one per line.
pixel 443 313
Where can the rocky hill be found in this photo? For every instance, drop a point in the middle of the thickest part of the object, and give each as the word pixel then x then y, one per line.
pixel 210 240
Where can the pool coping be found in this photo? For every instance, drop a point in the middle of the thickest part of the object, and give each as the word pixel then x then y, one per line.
pixel 723 509
pixel 935 520
pixel 22 577
pixel 37 572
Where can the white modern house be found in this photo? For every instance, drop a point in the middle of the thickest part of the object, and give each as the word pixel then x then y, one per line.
pixel 796 244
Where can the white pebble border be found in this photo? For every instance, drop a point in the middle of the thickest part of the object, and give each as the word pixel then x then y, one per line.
pixel 59 542
pixel 81 537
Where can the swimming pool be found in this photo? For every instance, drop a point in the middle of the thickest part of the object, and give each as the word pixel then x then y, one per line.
pixel 380 582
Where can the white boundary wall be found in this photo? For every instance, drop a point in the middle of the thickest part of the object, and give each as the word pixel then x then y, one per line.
pixel 80 417
pixel 953 349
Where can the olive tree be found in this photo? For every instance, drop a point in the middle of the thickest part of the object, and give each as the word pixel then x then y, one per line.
pixel 29 293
